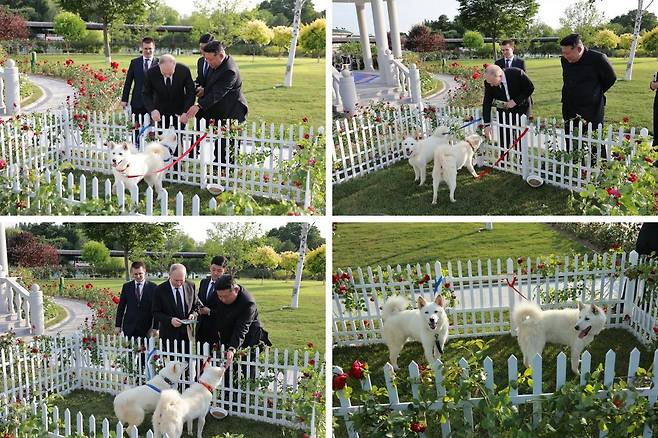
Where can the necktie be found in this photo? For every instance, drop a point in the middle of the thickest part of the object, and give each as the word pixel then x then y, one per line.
pixel 507 63
pixel 205 68
pixel 168 82
pixel 180 306
pixel 146 64
pixel 210 290
pixel 138 292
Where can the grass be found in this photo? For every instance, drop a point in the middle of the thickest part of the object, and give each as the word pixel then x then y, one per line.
pixel 402 243
pixel 260 78
pixel 100 405
pixel 288 328
pixel 625 98
pixel 58 314
pixel 392 191
pixel 35 93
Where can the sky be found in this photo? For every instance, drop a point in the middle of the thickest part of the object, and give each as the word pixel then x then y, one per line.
pixel 187 6
pixel 411 12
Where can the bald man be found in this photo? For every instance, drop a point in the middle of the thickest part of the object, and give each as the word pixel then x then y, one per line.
pixel 511 90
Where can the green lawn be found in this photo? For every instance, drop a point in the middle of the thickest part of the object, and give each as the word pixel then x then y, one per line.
pixel 392 191
pixel 402 243
pixel 288 328
pixel 260 77
pixel 100 405
pixel 633 99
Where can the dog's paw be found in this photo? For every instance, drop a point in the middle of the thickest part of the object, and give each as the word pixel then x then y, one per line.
pixel 453 200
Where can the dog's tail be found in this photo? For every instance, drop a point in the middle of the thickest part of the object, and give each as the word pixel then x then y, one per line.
pixel 526 314
pixel 394 305
pixel 169 409
pixel 156 149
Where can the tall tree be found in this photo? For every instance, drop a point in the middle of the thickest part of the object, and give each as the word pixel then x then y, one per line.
pixel 32 10
pixel 65 236
pixel 639 12
pixel 131 238
pixel 107 12
pixel 499 18
pixel 12 26
pixel 70 27
pixel 582 17
pixel 292 231
pixel 627 21
pixel 422 39
pixel 287 9
pixel 235 241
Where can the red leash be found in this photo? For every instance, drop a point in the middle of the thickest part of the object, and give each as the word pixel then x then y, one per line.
pixel 513 284
pixel 178 160
pixel 504 154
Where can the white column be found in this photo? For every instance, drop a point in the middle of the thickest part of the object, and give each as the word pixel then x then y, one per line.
pixel 347 89
pixel 381 40
pixel 363 34
pixel 2 91
pixel 36 311
pixel 12 88
pixel 395 28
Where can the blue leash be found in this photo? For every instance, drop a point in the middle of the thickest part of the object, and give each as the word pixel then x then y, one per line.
pixel 437 283
pixel 144 128
pixel 470 123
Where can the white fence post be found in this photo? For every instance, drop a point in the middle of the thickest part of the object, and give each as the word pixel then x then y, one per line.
pixel 36 310
pixel 3 108
pixel 348 91
pixel 4 269
pixel 12 88
pixel 416 92
pixel 525 165
pixel 631 286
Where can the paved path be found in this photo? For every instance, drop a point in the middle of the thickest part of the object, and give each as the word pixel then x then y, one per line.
pixel 76 312
pixel 441 98
pixel 55 92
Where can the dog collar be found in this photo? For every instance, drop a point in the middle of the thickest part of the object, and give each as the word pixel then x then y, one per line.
pixel 205 385
pixel 169 382
pixel 122 170
pixel 472 147
pixel 154 388
pixel 438 344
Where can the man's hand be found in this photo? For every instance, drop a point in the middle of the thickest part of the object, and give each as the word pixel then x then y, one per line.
pixel 176 322
pixel 124 104
pixel 155 115
pixel 488 133
pixel 653 85
pixel 192 111
pixel 199 92
pixel 204 311
pixel 117 330
pixel 510 104
pixel 184 118
pixel 153 333
pixel 230 353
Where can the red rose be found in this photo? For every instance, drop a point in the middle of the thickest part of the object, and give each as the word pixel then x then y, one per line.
pixel 305 119
pixel 309 345
pixel 88 286
pixel 627 137
pixel 339 381
pixel 615 246
pixel 115 299
pixel 335 278
pixel 342 289
pixel 3 164
pixel 124 70
pixel 655 329
pixel 618 403
pixel 485 65
pixel 306 136
pixel 614 193
pixel 311 362
pixel 311 162
pixel 424 280
pixel 519 260
pixel 418 427
pixel 366 323
pixel 357 369
pixel 476 76
pixel 648 160
pixel 345 276
pixel 626 119
pixel 69 82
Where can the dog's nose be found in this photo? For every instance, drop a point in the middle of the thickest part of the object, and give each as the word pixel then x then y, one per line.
pixel 577 327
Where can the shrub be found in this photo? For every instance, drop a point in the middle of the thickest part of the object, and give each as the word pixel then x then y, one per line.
pixel 473 40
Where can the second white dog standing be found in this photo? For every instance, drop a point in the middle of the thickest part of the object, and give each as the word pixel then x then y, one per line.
pixel 174 409
pixel 421 152
pixel 449 159
pixel 427 324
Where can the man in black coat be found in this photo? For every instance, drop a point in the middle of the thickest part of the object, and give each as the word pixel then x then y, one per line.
pixel 135 75
pixel 222 97
pixel 207 327
pixel 174 301
pixel 587 75
pixel 134 316
pixel 511 90
pixel 202 66
pixel 509 60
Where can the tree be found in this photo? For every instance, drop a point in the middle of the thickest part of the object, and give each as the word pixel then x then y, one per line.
pixel 235 241
pixel 25 249
pixel 627 21
pixel 289 261
pixel 636 35
pixel 582 17
pixel 65 236
pixel 495 19
pixel 70 27
pixel 650 41
pixel 12 26
pixel 266 258
pixel 110 12
pixel 316 261
pixel 625 41
pixel 473 40
pixel 281 37
pixel 422 39
pixel 95 253
pixel 32 10
pixel 312 37
pixel 447 28
pixel 256 33
pixel 287 8
pixel 605 39
pixel 289 235
pixel 131 238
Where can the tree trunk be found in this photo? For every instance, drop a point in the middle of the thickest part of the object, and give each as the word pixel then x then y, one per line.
pixel 106 43
pixel 636 33
pixel 300 265
pixel 125 264
pixel 287 82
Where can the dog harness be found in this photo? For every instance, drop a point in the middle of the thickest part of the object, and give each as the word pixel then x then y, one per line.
pixel 158 390
pixel 438 344
pixel 205 385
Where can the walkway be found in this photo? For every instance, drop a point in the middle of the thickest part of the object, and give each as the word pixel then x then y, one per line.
pixel 76 312
pixel 441 98
pixel 369 88
pixel 54 95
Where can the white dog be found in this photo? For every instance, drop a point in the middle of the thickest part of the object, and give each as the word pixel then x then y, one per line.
pixel 449 159
pixel 427 324
pixel 573 327
pixel 130 166
pixel 175 409
pixel 421 152
pixel 131 405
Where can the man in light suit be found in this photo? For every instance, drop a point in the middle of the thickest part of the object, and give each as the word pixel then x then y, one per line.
pixel 174 301
pixel 134 316
pixel 509 60
pixel 207 327
pixel 135 79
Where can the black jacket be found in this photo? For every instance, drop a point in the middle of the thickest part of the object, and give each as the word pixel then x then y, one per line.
pixel 171 102
pixel 222 96
pixel 238 323
pixel 520 88
pixel 135 75
pixel 207 328
pixel 164 308
pixel 135 317
pixel 200 77
pixel 584 85
pixel 516 62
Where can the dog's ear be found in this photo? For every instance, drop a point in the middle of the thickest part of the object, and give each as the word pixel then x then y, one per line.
pixel 125 146
pixel 440 300
pixel 581 306
pixel 595 310
pixel 175 367
pixel 421 302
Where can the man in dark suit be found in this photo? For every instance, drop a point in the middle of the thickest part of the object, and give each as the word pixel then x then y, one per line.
pixel 509 60
pixel 222 97
pixel 134 316
pixel 202 66
pixel 174 301
pixel 207 327
pixel 135 75
pixel 587 75
pixel 511 90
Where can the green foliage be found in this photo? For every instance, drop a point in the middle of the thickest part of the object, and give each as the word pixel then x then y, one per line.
pixel 266 258
pixel 582 17
pixel 288 261
pixel 650 41
pixel 627 21
pixel 281 37
pixel 312 37
pixel 256 33
pixel 95 253
pixel 70 26
pixel 473 40
pixel 625 41
pixel 605 39
pixel 235 241
pixel 315 261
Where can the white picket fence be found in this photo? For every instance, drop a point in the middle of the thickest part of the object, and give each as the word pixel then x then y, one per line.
pixel 485 298
pixel 32 372
pixel 42 142
pixel 21 311
pixel 533 397
pixel 364 144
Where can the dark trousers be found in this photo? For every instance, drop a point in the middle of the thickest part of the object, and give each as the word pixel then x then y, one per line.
pixel 592 115
pixel 655 120
pixel 224 149
pixel 138 112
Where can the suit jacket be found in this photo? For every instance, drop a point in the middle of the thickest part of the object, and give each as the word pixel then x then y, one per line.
pixel 200 77
pixel 135 317
pixel 135 75
pixel 164 308
pixel 520 89
pixel 222 96
pixel 238 323
pixel 169 102
pixel 207 328
pixel 516 62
